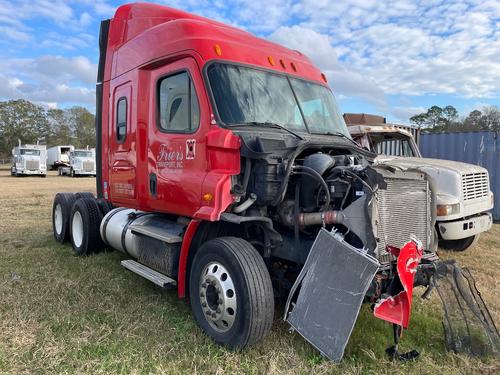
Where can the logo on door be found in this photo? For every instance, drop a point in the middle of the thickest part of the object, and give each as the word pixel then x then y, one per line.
pixel 190 149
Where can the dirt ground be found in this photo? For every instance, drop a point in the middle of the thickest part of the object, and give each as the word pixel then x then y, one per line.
pixel 64 314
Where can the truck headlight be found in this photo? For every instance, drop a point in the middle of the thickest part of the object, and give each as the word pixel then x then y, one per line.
pixel 447 209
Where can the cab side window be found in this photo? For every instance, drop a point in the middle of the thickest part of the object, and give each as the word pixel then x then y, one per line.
pixel 121 120
pixel 178 110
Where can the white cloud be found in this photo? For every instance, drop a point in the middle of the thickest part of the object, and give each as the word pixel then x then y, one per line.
pixel 49 79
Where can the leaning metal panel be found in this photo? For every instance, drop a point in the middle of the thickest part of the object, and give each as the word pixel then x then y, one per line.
pixel 324 302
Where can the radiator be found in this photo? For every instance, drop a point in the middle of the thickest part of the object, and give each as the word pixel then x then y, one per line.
pixel 404 211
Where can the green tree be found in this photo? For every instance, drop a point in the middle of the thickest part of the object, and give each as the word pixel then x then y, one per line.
pixel 82 123
pixel 473 121
pixel 21 119
pixel 450 116
pixel 419 120
pixel 60 130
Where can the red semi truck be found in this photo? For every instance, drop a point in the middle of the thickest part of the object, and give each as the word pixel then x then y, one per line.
pixel 225 168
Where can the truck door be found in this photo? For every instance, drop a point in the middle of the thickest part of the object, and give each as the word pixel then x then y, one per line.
pixel 177 146
pixel 122 150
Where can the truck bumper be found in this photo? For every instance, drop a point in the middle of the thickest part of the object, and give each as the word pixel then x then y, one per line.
pixel 28 172
pixel 85 173
pixel 456 230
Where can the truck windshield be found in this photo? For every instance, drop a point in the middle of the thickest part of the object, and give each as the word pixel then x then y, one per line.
pixel 249 96
pixel 392 145
pixel 83 154
pixel 29 152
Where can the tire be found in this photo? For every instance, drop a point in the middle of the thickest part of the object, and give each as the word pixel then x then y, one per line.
pixel 84 227
pixel 61 212
pixel 459 245
pixel 241 304
pixel 104 205
pixel 84 194
pixel 59 171
pixel 43 175
pixel 72 173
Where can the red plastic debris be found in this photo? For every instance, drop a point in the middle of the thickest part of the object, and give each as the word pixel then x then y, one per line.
pixel 397 309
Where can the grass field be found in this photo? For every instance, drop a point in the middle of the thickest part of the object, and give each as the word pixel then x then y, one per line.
pixel 64 314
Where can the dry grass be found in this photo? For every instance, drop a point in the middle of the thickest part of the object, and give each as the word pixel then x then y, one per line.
pixel 63 314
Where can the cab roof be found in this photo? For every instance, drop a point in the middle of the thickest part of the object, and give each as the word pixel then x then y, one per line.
pixel 376 128
pixel 143 34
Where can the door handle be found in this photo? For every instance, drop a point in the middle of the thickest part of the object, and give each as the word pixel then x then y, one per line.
pixel 122 169
pixel 153 184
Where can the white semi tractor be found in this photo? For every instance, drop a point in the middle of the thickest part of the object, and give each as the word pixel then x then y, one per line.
pixel 81 163
pixel 58 156
pixel 29 160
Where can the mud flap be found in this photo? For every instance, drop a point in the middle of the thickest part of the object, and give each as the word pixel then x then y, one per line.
pixel 468 326
pixel 325 300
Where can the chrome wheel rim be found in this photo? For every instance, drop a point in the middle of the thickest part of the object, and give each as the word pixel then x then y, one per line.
pixel 77 229
pixel 218 297
pixel 58 221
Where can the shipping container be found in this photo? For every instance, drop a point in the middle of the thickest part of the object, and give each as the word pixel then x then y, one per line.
pixel 479 148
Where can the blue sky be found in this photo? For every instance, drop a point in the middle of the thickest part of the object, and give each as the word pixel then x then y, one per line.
pixel 394 58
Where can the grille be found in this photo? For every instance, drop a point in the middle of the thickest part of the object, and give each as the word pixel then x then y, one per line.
pixel 404 210
pixel 475 185
pixel 88 166
pixel 32 165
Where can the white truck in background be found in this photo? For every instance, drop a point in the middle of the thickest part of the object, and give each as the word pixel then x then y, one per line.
pixel 29 160
pixel 58 156
pixel 81 163
pixel 463 190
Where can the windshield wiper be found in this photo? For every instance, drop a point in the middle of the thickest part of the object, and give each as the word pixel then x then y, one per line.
pixel 271 125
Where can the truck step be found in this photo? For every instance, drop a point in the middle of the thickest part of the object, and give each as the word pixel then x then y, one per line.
pixel 163 231
pixel 148 273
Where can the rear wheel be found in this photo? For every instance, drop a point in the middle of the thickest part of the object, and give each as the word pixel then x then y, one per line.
pixel 61 211
pixel 459 245
pixel 231 293
pixel 85 222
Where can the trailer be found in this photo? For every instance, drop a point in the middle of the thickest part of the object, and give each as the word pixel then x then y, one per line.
pixel 29 160
pixel 225 170
pixel 58 156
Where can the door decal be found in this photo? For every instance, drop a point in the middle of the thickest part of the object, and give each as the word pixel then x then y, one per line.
pixel 190 149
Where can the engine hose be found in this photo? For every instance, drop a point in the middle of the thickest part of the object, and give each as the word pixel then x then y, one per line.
pixel 247 203
pixel 296 213
pixel 312 173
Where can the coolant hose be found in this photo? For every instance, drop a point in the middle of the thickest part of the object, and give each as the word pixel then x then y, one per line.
pixel 246 204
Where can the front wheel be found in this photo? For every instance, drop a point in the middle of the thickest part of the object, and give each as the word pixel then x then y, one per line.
pixel 231 292
pixel 459 245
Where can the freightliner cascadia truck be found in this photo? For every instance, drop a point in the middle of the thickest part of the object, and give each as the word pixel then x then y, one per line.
pixel 225 169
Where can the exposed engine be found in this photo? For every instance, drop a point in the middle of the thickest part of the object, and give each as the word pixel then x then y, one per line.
pixel 305 186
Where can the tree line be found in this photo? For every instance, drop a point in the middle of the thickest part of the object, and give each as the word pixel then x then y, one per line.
pixel 29 122
pixel 447 119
